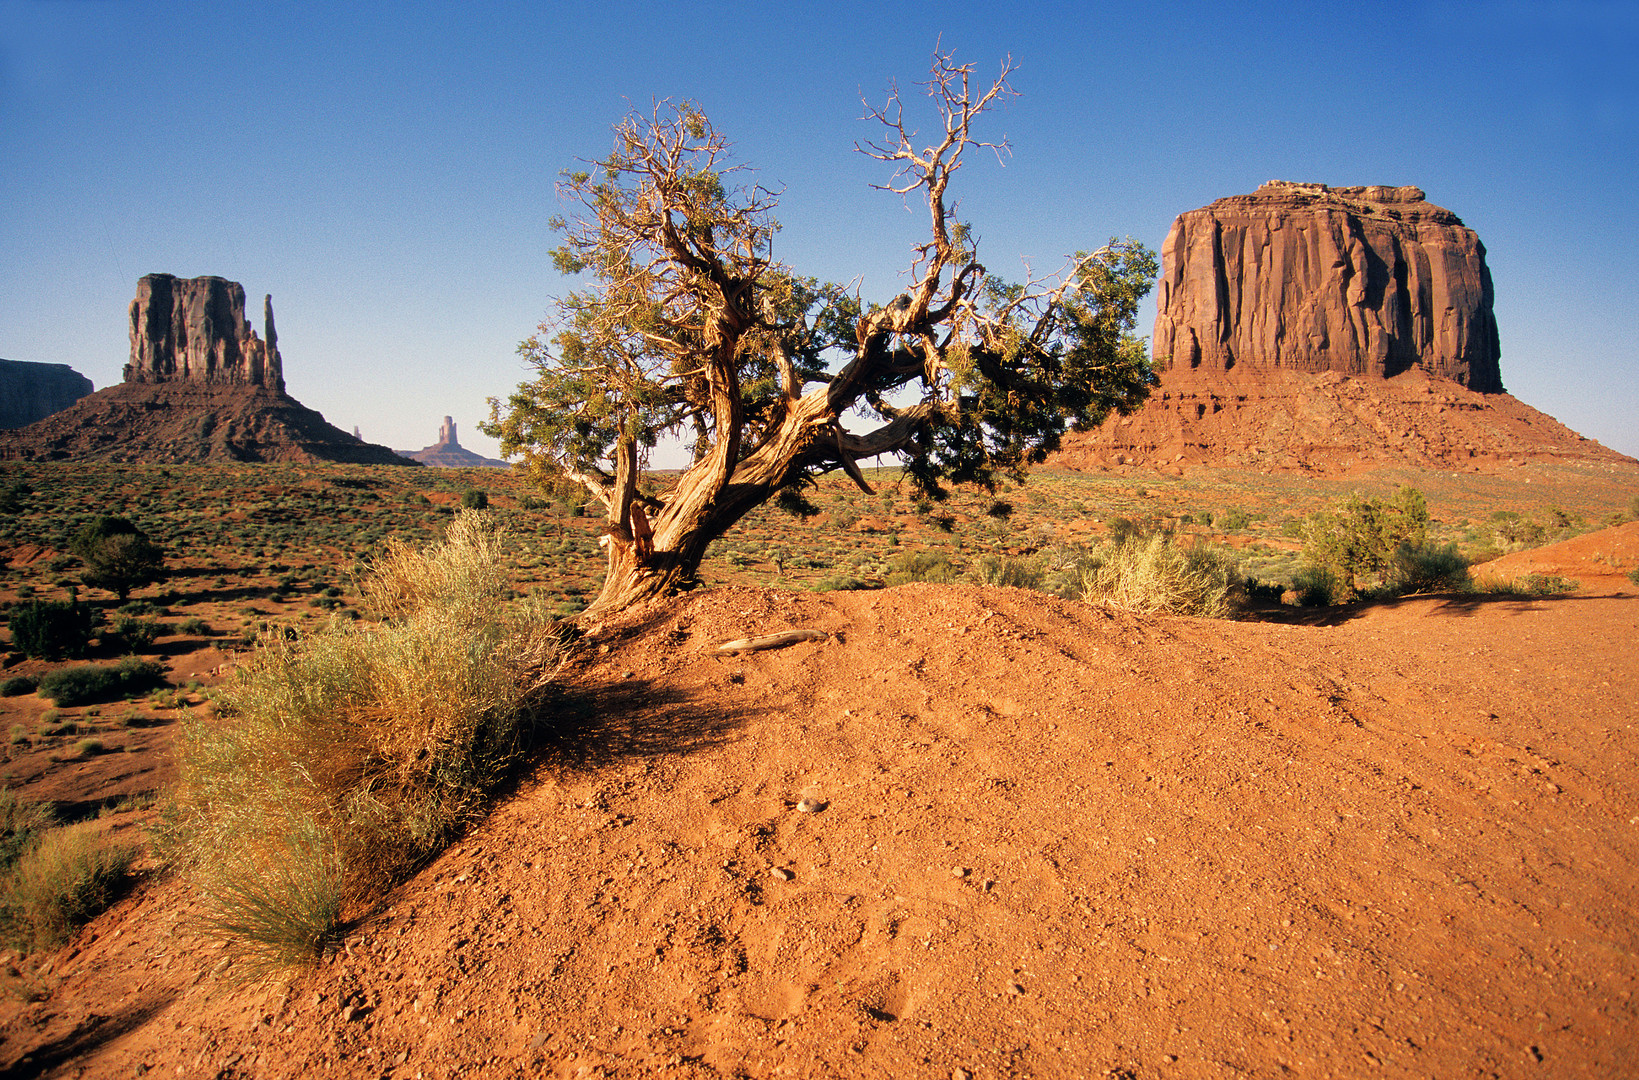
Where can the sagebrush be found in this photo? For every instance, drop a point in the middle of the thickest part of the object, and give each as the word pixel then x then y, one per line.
pixel 344 759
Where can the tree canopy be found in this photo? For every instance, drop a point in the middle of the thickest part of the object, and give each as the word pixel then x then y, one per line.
pixel 117 555
pixel 689 326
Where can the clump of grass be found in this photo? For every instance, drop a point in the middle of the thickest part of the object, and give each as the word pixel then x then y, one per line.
pixel 344 759
pixel 19 735
pixel 1002 570
pixel 1532 585
pixel 60 879
pixel 89 747
pixel 1156 575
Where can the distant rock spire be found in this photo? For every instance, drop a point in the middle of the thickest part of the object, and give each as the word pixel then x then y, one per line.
pixel 446 433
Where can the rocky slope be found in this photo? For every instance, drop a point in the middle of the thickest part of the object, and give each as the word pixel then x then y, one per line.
pixel 1280 420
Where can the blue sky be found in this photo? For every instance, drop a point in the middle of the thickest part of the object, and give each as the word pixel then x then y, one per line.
pixel 386 170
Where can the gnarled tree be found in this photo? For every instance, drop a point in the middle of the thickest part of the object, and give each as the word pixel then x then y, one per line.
pixel 691 326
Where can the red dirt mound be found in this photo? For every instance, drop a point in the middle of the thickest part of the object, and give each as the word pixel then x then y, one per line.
pixel 1598 560
pixel 980 833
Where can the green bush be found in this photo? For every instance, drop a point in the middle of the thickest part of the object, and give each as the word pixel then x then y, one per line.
pixel 18 685
pixel 928 566
pixel 1427 568
pixel 839 583
pixel 53 629
pixel 344 759
pixel 1633 575
pixel 474 499
pixel 194 625
pixel 118 556
pixel 1000 570
pixel 136 635
pixel 100 682
pixel 1356 539
pixel 1319 586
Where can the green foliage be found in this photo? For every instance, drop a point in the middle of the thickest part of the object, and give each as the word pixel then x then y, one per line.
pixel 1319 586
pixel 17 685
pixel 135 635
pixel 20 823
pixel 53 629
pixel 931 566
pixel 193 624
pixel 1356 540
pixel 474 499
pixel 1005 571
pixel 1427 568
pixel 117 555
pixel 68 687
pixel 345 758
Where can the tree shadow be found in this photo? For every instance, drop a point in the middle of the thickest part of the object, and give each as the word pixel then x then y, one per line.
pixel 88 1035
pixel 1450 605
pixel 588 726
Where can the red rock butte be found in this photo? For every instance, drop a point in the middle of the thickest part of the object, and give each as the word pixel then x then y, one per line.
pixel 1326 329
pixel 200 386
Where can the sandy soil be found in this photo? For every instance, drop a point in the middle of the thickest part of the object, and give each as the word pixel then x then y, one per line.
pixel 979 833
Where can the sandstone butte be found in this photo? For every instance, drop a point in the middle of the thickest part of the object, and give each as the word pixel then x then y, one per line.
pixel 200 386
pixel 448 453
pixel 30 392
pixel 1322 329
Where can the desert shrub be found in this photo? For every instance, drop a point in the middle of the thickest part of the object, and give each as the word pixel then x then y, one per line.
pixel 840 583
pixel 474 499
pixel 1157 575
pixel 345 758
pixel 1427 568
pixel 1000 570
pixel 88 683
pixel 1633 575
pixel 928 566
pixel 1319 586
pixel 1356 539
pixel 193 624
pixel 89 747
pixel 117 555
pixel 19 735
pixel 60 879
pixel 1000 509
pixel 17 685
pixel 136 635
pixel 1233 520
pixel 53 629
pixel 1532 585
pixel 137 608
pixel 1633 507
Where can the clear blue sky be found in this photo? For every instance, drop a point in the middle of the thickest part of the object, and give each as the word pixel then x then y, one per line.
pixel 386 170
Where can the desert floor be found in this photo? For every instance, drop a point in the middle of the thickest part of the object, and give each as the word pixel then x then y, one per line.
pixel 978 832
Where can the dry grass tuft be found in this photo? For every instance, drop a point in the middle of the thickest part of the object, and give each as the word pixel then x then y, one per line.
pixel 1156 575
pixel 345 759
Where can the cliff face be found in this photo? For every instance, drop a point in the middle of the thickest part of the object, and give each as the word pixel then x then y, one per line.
pixel 1368 281
pixel 194 330
pixel 30 392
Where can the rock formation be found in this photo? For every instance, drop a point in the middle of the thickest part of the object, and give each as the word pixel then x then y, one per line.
pixel 194 330
pixel 30 392
pixel 1368 281
pixel 200 386
pixel 448 453
pixel 1326 329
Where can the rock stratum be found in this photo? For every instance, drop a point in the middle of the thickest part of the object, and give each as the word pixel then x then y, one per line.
pixel 448 453
pixel 1324 329
pixel 1370 281
pixel 200 386
pixel 30 392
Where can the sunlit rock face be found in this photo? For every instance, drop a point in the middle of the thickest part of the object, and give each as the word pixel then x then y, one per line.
pixel 194 330
pixel 1363 281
